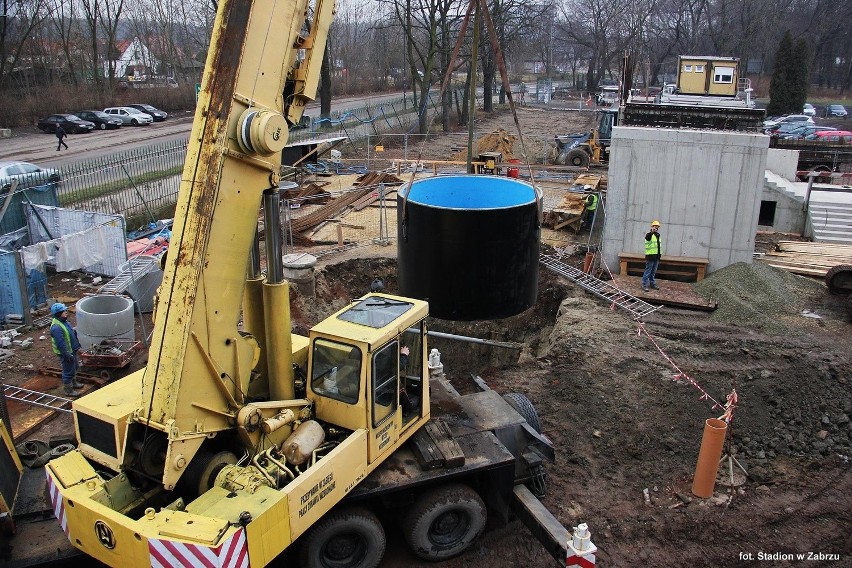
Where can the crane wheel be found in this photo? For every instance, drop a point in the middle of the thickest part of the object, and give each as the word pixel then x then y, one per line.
pixel 839 279
pixel 525 408
pixel 350 537
pixel 578 158
pixel 443 522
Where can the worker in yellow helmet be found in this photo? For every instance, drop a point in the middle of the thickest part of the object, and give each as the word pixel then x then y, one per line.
pixel 653 252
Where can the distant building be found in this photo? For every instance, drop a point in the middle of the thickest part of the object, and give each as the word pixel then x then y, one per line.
pixel 135 61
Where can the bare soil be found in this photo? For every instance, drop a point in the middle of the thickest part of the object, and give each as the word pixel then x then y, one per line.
pixel 604 389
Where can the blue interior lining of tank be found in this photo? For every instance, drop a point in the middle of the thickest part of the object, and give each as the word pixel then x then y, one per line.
pixel 471 192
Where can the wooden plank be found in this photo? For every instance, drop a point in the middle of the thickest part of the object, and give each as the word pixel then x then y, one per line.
pixel 815 248
pixel 435 447
pixel 802 271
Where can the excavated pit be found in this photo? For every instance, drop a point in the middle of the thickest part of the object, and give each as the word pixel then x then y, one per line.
pixel 337 284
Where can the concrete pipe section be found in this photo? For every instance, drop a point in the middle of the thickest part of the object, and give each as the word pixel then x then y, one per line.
pixel 104 317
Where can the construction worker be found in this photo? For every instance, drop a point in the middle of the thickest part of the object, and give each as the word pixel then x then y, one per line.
pixel 66 346
pixel 653 252
pixel 590 203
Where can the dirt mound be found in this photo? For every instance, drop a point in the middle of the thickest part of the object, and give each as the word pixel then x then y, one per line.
pixel 497 141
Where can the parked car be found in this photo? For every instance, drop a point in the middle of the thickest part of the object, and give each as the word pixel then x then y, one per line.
pixel 130 115
pixel 835 136
pixel 100 119
pixel 155 113
pixel 27 174
pixel 801 132
pixel 788 118
pixel 69 122
pixel 783 128
pixel 835 110
pixel 809 109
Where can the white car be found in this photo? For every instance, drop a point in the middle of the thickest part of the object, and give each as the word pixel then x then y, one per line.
pixel 130 115
pixel 809 109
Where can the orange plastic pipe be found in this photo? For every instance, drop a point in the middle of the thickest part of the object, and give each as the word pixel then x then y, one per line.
pixel 708 457
pixel 587 262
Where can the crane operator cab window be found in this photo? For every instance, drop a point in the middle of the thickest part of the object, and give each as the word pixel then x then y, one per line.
pixel 336 371
pixel 397 381
pixel 385 382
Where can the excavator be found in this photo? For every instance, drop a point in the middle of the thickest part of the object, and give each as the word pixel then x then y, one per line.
pixel 241 442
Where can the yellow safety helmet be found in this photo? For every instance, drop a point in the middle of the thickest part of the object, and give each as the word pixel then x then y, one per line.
pixel 655 223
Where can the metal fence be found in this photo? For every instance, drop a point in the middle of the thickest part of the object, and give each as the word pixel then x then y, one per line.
pixel 142 184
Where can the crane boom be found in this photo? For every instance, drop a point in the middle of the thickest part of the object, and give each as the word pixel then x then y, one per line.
pixel 252 81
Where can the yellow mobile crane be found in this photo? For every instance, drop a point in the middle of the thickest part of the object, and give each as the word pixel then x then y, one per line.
pixel 233 442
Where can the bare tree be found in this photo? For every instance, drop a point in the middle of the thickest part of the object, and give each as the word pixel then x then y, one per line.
pixel 606 28
pixel 428 26
pixel 18 23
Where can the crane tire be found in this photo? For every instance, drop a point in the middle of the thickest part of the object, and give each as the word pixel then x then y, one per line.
pixel 444 522
pixel 525 408
pixel 838 279
pixel 350 537
pixel 578 158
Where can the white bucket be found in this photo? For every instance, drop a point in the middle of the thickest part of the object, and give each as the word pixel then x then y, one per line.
pixel 104 317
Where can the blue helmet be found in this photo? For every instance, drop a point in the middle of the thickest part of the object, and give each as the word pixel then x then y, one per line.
pixel 57 309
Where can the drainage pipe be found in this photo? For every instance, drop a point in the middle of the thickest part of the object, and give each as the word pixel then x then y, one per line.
pixel 708 457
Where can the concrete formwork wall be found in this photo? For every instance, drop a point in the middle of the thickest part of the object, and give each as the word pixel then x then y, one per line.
pixel 704 187
pixel 789 215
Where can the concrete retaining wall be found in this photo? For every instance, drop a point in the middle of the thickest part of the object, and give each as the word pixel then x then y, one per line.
pixel 704 186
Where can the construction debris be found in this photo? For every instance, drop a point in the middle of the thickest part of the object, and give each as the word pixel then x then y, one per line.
pixel 376 178
pixel 321 215
pixel 312 192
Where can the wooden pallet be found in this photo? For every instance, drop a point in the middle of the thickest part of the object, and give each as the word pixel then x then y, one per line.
pixel 808 259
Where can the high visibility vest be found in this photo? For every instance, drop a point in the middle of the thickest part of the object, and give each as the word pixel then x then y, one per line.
pixel 591 202
pixel 65 332
pixel 655 245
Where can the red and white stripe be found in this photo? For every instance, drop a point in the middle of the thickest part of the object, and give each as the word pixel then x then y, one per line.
pixel 58 504
pixel 233 553
pixel 581 560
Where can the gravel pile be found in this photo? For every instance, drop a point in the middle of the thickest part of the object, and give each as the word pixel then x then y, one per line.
pixel 757 295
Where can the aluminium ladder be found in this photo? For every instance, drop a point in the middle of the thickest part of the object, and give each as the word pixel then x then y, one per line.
pixel 37 398
pixel 133 271
pixel 638 308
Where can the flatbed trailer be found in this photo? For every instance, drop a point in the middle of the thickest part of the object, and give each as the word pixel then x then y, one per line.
pixel 818 156
pixel 480 439
pixel 692 116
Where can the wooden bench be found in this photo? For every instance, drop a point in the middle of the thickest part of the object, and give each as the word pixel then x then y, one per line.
pixel 686 268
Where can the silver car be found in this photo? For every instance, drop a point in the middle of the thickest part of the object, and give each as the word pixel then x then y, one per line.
pixel 27 174
pixel 130 115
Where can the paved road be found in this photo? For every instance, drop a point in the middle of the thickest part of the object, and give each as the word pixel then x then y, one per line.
pixel 31 145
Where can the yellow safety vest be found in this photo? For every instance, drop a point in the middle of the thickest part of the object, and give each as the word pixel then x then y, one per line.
pixel 65 331
pixel 654 246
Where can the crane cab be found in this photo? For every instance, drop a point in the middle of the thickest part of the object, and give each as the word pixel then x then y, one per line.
pixel 367 369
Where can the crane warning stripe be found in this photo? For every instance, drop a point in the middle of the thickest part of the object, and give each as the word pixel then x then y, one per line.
pixel 586 561
pixel 58 504
pixel 233 553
